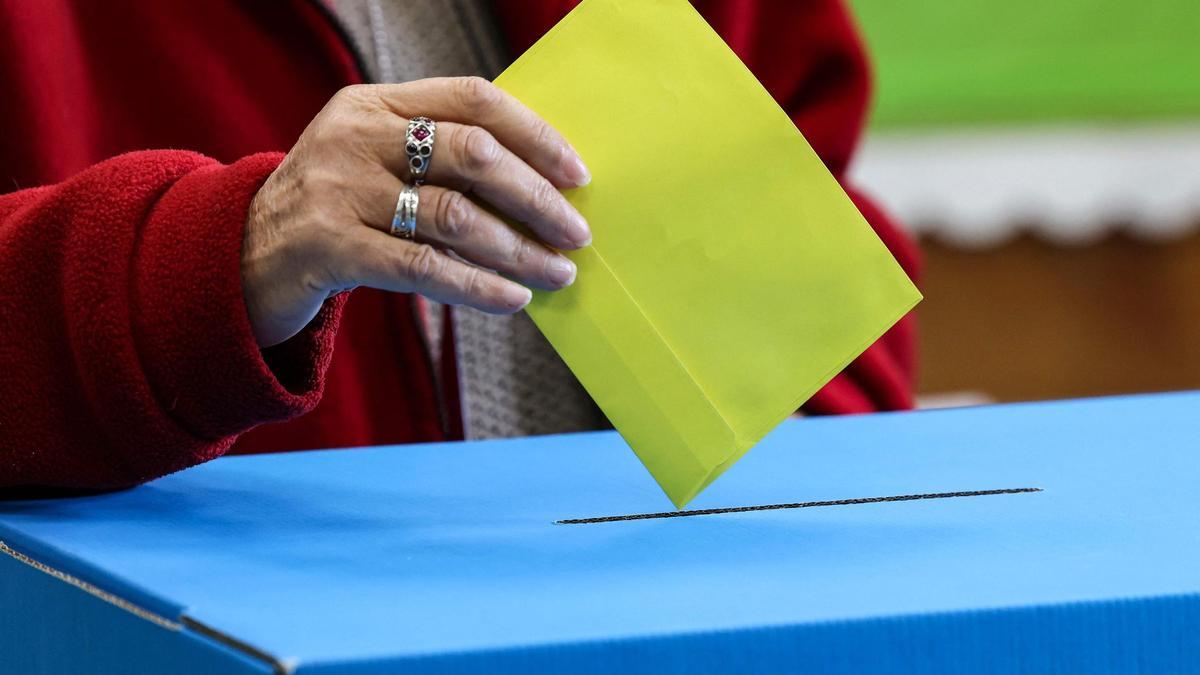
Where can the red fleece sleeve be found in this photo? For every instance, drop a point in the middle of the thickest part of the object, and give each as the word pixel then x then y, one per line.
pixel 125 348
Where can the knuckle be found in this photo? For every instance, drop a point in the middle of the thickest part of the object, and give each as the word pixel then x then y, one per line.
pixel 342 128
pixel 546 136
pixel 475 284
pixel 480 151
pixel 329 276
pixel 523 253
pixel 321 180
pixel 350 129
pixel 424 265
pixel 351 93
pixel 454 216
pixel 543 198
pixel 361 99
pixel 477 93
pixel 328 240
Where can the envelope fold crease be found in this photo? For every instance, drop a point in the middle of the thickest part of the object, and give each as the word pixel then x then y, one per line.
pixel 647 388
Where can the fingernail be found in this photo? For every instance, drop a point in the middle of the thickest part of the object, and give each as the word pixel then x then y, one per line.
pixel 577 172
pixel 516 297
pixel 578 231
pixel 561 271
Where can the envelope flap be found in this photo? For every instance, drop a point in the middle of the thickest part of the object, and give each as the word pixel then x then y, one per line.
pixel 646 390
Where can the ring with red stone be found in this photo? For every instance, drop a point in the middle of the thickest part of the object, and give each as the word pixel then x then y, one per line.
pixel 418 144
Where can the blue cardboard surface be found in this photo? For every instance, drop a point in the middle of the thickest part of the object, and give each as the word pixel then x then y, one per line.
pixel 49 627
pixel 446 558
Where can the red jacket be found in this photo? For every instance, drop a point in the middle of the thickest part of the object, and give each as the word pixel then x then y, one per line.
pixel 125 350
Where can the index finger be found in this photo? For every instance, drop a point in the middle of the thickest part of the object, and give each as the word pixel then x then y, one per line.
pixel 475 101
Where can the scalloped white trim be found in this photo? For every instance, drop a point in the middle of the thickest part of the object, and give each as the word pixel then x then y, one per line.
pixel 1070 185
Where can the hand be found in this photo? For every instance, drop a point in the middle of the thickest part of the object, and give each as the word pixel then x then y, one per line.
pixel 320 223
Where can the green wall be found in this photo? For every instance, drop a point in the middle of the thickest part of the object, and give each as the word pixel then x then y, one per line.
pixel 974 62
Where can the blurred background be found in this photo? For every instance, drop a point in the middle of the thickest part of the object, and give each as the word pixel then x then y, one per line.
pixel 1047 157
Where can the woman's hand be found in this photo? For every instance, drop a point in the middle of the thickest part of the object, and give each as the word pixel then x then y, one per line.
pixel 320 223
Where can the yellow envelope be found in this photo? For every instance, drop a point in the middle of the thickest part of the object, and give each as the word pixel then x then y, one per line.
pixel 730 277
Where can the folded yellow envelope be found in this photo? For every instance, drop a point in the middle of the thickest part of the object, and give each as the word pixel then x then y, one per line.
pixel 730 277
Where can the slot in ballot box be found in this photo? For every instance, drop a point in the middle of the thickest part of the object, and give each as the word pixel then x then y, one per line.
pixel 449 558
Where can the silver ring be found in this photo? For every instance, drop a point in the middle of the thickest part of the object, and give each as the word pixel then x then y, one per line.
pixel 418 144
pixel 404 219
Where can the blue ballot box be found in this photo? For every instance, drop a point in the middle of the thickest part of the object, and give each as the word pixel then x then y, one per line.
pixel 449 558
